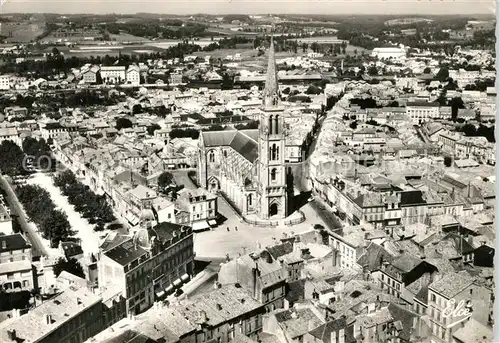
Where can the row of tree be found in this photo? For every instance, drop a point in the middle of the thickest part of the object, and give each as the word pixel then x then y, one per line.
pixel 52 223
pixel 93 207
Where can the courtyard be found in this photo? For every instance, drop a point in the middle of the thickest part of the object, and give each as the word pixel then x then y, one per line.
pixel 219 242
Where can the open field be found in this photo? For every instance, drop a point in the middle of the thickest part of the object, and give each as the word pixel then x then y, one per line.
pixel 125 37
pixel 21 32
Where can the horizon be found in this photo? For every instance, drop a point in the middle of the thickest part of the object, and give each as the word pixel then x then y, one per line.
pixel 249 7
pixel 258 14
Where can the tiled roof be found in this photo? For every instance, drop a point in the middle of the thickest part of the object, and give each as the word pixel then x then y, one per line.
pixel 406 318
pixel 474 332
pixel 324 332
pixel 373 256
pixel 63 308
pixel 406 262
pixel 451 284
pixel 220 305
pixel 297 322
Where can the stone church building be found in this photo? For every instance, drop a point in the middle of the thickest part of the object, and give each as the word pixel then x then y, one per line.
pixel 248 166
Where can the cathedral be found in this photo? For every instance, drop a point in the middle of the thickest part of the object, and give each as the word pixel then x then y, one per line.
pixel 248 166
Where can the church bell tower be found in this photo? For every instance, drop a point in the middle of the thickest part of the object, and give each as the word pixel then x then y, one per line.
pixel 271 169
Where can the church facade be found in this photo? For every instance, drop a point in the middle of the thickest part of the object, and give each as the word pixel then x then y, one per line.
pixel 248 166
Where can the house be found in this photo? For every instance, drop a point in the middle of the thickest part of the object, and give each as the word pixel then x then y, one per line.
pixel 419 112
pixel 262 276
pixel 16 270
pixel 456 291
pixel 53 321
pixel 403 270
pixel 133 75
pixel 113 74
pixel 89 75
pixel 5 82
pixel 132 262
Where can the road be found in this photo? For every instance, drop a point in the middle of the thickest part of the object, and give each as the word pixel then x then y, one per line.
pixel 29 229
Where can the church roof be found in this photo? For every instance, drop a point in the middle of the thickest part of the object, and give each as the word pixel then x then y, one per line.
pixel 243 141
pixel 246 146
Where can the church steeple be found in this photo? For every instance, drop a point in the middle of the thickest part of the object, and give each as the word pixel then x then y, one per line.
pixel 271 91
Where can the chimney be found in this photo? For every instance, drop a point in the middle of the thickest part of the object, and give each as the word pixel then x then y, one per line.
pixel 219 307
pixel 48 319
pixel 78 301
pixel 255 275
pixel 202 317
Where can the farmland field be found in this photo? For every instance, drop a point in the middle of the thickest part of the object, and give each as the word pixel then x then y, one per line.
pixel 21 32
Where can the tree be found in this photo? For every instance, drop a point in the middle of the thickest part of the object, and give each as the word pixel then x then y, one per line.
pixel 151 129
pixel 373 70
pixel 443 74
pixel 313 90
pixel 165 179
pixel 123 123
pixel 447 161
pixel 11 159
pixel 427 70
pixel 353 125
pixel 455 104
pixel 71 266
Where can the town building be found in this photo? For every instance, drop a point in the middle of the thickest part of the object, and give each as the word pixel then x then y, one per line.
pixel 419 112
pixel 113 74
pixel 386 53
pixel 148 265
pixel 16 271
pixel 133 75
pixel 248 166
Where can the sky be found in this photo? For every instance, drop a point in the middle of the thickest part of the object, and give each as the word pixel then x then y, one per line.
pixel 330 7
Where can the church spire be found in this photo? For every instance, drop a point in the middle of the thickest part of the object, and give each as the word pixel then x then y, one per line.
pixel 271 93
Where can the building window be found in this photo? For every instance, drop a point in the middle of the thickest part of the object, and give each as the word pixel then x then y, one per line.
pixel 211 157
pixel 273 174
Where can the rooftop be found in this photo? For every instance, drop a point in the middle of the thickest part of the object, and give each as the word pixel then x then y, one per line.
pixel 35 325
pixel 126 252
pixel 13 242
pixel 451 284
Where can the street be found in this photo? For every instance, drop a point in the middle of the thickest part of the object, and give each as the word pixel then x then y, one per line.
pixel 29 229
